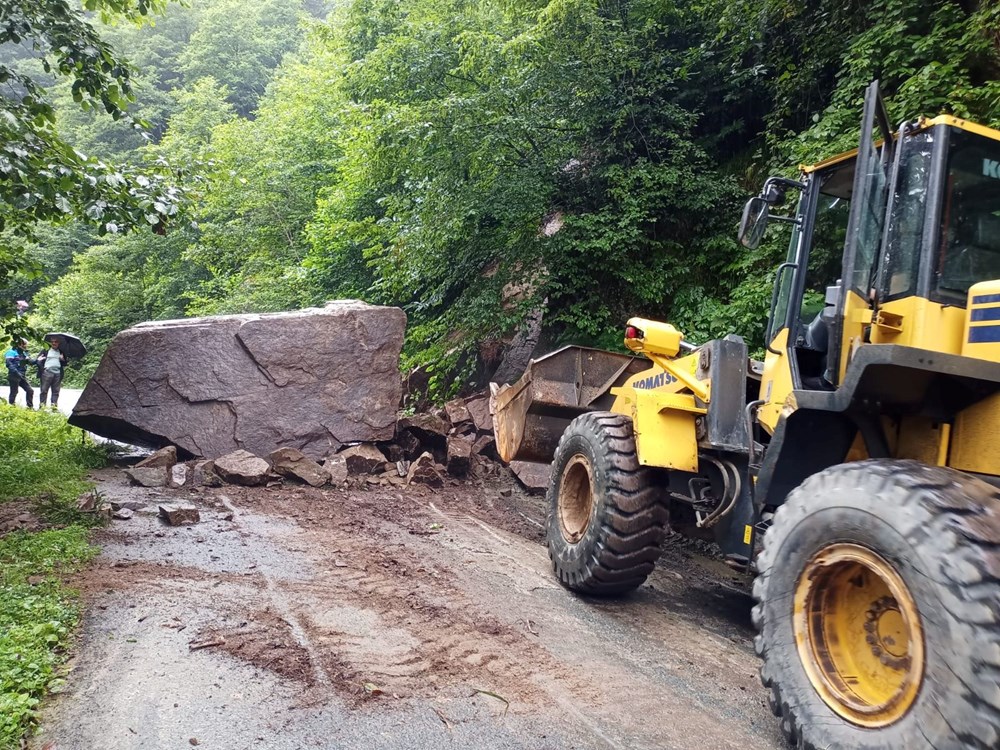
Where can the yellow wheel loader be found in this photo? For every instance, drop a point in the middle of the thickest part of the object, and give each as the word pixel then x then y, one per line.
pixel 855 471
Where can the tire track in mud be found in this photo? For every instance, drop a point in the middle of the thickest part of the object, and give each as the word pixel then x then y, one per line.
pixel 432 596
pixel 405 624
pixel 381 606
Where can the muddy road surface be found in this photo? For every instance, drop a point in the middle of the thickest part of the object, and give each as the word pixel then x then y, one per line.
pixel 392 617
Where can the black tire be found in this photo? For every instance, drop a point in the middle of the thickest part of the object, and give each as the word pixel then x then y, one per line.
pixel 939 530
pixel 610 546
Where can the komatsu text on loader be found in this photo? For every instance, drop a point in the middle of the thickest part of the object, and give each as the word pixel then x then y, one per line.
pixel 855 471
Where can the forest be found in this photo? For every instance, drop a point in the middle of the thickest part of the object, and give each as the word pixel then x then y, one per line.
pixel 500 169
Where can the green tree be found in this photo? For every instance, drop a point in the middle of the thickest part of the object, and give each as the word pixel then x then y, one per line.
pixel 477 130
pixel 240 43
pixel 42 178
pixel 116 283
pixel 264 182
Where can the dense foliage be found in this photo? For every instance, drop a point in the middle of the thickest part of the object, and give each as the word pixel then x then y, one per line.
pixel 43 178
pixel 480 163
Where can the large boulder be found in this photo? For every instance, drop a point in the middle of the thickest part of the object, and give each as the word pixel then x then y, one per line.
pixel 311 379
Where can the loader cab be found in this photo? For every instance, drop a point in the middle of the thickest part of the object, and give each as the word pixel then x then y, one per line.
pixel 886 243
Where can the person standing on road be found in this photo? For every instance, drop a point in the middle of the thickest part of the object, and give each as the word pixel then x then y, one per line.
pixel 16 359
pixel 50 364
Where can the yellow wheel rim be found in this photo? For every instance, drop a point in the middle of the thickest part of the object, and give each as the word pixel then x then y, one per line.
pixel 576 499
pixel 859 635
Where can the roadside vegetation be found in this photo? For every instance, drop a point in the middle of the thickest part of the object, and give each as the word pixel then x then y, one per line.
pixel 43 465
pixel 483 164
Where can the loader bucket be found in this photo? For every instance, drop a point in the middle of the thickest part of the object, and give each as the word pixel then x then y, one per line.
pixel 529 416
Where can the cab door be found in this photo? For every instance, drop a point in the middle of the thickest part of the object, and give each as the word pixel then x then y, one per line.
pixel 865 230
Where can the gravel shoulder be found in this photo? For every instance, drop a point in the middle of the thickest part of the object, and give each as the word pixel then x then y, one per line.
pixel 388 617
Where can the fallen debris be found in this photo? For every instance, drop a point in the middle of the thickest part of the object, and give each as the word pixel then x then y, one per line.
pixel 486 445
pixel 479 408
pixel 178 476
pixel 123 514
pixel 424 471
pixel 243 468
pixel 459 454
pixel 148 476
pixel 132 505
pixel 88 501
pixel 457 411
pixel 363 459
pixel 203 474
pixel 291 462
pixel 179 515
pixel 535 477
pixel 373 690
pixel 199 645
pixel 165 457
pixel 336 467
pixel 444 719
pixel 491 694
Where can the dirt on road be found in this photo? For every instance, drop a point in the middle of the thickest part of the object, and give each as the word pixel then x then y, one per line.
pixel 392 617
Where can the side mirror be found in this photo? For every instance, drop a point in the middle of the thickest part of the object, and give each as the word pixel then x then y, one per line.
pixel 753 223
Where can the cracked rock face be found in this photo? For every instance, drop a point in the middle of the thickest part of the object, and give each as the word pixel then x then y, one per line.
pixel 311 379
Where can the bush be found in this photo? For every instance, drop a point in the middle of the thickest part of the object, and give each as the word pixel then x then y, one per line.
pixel 42 455
pixel 36 619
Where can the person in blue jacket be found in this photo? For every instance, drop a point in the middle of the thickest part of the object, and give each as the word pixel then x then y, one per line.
pixel 16 358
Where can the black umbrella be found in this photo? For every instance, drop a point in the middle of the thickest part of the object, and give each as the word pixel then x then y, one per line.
pixel 69 344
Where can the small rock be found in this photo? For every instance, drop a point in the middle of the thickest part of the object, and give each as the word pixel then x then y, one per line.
pixel 423 471
pixel 424 426
pixel 506 492
pixel 290 462
pixel 165 457
pixel 409 444
pixel 459 455
pixel 363 459
pixel 479 408
pixel 179 515
pixel 148 476
pixel 242 467
pixel 533 476
pixel 486 446
pixel 456 411
pixel 336 467
pixel 123 514
pixel 130 504
pixel 203 474
pixel 392 452
pixel 87 501
pixel 178 476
